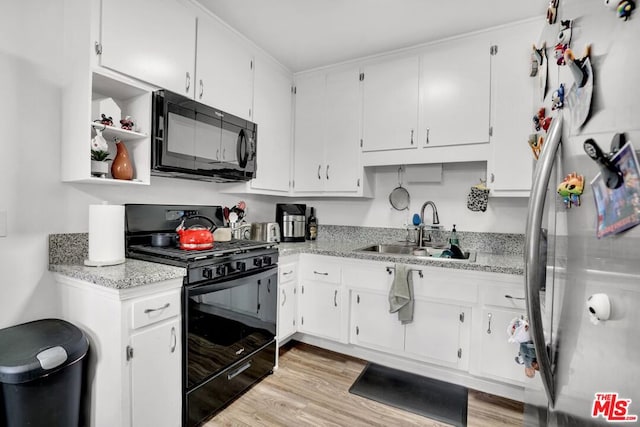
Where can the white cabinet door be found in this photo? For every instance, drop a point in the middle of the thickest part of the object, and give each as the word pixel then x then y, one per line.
pixel 310 125
pixel 156 376
pixel 454 93
pixel 286 310
pixel 320 309
pixel 372 325
pixel 497 355
pixel 434 334
pixel 272 113
pixel 511 164
pixel 224 69
pixel 151 40
pixel 342 131
pixel 391 104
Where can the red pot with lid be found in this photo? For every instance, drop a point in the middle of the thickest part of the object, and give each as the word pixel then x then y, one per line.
pixel 197 237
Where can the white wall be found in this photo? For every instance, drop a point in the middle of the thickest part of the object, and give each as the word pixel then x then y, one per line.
pixel 38 203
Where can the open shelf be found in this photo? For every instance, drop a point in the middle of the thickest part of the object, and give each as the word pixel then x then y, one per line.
pixel 111 132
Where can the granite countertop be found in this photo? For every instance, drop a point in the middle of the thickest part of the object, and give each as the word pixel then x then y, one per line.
pixel 123 276
pixel 507 263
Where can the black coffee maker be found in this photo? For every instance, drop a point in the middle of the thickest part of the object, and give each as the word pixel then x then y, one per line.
pixel 292 221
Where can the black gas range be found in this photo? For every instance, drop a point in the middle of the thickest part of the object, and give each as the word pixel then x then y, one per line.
pixel 229 306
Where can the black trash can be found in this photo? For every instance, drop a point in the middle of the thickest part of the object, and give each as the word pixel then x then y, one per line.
pixel 41 369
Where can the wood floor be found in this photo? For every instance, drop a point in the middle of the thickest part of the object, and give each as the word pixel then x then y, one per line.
pixel 311 388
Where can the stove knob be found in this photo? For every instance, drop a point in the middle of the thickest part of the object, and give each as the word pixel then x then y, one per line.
pixel 266 260
pixel 240 266
pixel 221 270
pixel 257 262
pixel 207 273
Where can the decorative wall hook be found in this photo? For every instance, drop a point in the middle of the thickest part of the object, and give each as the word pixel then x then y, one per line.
pixel 611 174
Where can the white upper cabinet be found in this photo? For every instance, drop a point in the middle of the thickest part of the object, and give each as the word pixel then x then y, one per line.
pixel 390 104
pixel 342 133
pixel 151 40
pixel 272 113
pixel 454 93
pixel 327 133
pixel 510 168
pixel 224 69
pixel 309 132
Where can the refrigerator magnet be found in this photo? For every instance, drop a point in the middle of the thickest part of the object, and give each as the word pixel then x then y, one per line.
pixel 535 142
pixel 570 189
pixel 618 209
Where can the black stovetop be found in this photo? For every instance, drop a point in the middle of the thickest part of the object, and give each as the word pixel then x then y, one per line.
pixel 219 249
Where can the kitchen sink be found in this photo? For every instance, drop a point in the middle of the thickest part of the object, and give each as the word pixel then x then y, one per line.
pixel 417 251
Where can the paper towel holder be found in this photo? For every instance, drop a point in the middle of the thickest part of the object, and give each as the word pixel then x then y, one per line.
pixel 106 235
pixel 90 263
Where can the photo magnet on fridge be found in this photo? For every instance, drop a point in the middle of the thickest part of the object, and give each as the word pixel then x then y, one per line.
pixel 618 209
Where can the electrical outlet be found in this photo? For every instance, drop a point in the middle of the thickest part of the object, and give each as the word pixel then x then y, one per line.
pixel 3 223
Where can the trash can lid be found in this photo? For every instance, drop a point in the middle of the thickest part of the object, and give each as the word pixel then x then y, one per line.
pixel 36 349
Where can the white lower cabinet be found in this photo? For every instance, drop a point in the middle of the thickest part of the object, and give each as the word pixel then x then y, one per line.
pixel 287 283
pixel 459 321
pixel 372 325
pixel 135 351
pixel 437 334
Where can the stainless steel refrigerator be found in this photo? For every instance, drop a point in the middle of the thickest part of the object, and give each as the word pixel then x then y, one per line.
pixel 590 372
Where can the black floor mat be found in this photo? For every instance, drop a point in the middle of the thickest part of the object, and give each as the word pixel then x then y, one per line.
pixel 421 395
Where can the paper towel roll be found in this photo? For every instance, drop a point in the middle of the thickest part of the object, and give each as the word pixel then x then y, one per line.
pixel 106 235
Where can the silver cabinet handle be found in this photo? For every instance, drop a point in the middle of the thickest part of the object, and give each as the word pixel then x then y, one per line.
pixel 411 136
pixel 319 167
pixel 201 88
pixel 428 130
pixel 320 274
pixel 335 298
pixel 284 298
pixel 544 169
pixel 224 153
pixel 151 310
pixel 327 172
pixel 188 82
pixel 515 298
pixel 219 114
pixel 174 339
pixel 286 273
pixel 218 154
pixel 489 328
pixel 493 177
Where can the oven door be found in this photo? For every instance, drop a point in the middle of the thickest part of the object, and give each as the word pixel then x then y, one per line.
pixel 227 321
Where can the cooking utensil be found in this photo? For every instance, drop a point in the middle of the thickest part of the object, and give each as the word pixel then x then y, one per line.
pixel 399 197
pixel 197 237
pixel 163 239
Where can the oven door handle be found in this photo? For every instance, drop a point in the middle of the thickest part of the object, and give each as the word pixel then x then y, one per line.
pixel 232 375
pixel 205 288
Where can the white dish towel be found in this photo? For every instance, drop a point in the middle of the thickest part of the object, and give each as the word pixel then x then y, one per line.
pixel 401 294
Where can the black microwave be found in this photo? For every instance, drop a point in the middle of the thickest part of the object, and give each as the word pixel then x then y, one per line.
pixel 192 140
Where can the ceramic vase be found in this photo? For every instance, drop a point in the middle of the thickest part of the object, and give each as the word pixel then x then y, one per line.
pixel 122 167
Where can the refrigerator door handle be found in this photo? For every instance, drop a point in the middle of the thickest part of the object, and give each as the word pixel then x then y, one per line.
pixel 532 253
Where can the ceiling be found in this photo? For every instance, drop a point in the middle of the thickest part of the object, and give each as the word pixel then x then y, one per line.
pixel 305 34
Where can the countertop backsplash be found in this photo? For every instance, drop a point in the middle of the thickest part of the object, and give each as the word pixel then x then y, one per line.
pixel 73 248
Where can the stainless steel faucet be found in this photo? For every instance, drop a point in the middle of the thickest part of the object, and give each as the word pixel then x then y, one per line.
pixel 434 220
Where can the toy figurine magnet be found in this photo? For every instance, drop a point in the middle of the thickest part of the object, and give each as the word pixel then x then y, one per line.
pixel 570 189
pixel 564 41
pixel 536 141
pixel 552 11
pixel 540 121
pixel 558 98
pixel 625 8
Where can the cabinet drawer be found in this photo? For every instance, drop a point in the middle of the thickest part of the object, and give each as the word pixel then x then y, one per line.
pixel 320 270
pixel 155 308
pixel 287 273
pixel 374 276
pixel 504 296
pixel 444 286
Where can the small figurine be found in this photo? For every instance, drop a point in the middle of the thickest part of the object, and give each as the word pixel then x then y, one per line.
pixel 107 121
pixel 552 11
pixel 540 121
pixel 625 7
pixel 558 98
pixel 571 188
pixel 127 123
pixel 564 41
pixel 611 4
pixel 518 332
pixel 536 142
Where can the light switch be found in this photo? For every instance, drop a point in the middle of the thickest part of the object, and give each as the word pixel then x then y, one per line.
pixel 3 223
